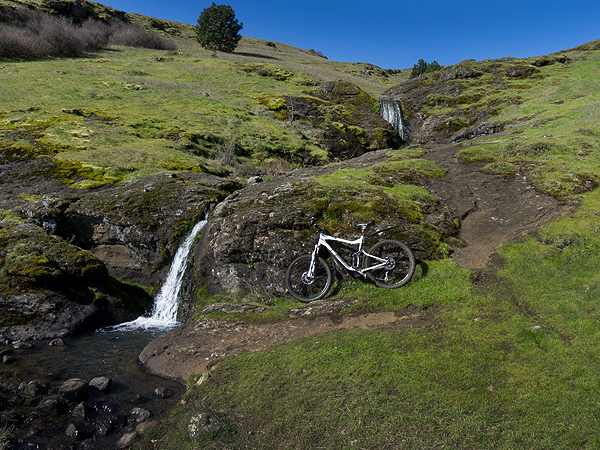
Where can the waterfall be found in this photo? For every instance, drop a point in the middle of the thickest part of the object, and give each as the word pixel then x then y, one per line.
pixel 164 313
pixel 391 111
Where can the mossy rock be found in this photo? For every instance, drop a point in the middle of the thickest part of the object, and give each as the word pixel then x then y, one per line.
pixel 254 235
pixel 346 114
pixel 465 95
pixel 32 257
pixel 51 288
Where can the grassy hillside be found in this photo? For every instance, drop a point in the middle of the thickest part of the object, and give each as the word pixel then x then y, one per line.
pixel 123 113
pixel 508 360
pixel 505 358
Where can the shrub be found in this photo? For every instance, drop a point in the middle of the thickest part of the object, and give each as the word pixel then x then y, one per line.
pixel 132 35
pixel 28 33
pixel 20 43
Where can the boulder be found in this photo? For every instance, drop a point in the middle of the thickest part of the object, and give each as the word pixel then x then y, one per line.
pixel 74 390
pixel 201 424
pixel 48 315
pixel 253 236
pixel 102 384
pixel 163 392
pixel 126 440
pixel 52 406
pixel 138 415
pixel 80 411
pixel 36 388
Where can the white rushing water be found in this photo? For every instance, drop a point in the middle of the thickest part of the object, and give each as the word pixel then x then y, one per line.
pixel 164 313
pixel 391 111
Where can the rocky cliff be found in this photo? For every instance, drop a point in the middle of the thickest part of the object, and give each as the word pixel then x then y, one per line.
pixel 255 233
pixel 457 102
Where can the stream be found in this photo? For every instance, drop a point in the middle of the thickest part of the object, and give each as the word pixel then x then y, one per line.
pixel 113 353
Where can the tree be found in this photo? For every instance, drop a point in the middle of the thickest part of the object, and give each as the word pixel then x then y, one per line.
pixel 422 67
pixel 218 29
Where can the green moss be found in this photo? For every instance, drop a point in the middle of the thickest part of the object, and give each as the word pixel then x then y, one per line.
pixel 8 216
pixel 267 70
pixel 22 262
pixel 499 168
pixel 453 124
pixel 72 172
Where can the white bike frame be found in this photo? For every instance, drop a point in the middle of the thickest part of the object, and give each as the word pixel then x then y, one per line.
pixel 323 238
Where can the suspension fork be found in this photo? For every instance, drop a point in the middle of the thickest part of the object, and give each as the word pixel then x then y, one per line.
pixel 313 260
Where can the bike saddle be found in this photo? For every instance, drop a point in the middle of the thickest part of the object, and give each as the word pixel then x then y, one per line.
pixel 366 224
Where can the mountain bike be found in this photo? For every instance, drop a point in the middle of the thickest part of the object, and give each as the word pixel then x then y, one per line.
pixel 389 264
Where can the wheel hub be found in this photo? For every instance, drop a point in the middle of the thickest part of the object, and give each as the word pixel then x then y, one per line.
pixel 307 279
pixel 390 263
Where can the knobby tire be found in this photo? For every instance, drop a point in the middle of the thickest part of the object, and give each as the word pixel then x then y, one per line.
pixel 398 271
pixel 300 286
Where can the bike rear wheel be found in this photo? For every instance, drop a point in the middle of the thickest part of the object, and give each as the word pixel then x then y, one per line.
pixel 304 288
pixel 399 268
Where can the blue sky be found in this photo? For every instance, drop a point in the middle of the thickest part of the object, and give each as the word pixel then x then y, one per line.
pixel 395 34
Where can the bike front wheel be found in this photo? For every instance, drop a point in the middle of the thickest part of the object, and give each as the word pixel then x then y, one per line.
pixel 398 268
pixel 305 288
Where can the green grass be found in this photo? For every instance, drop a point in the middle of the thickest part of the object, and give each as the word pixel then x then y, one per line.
pixel 127 113
pixel 477 376
pixel 555 133
pixel 204 104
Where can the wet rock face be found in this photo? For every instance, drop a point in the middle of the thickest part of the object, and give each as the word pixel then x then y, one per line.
pixel 134 228
pixel 254 235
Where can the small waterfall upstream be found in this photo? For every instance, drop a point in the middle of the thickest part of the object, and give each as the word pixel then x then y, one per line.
pixel 391 111
pixel 164 313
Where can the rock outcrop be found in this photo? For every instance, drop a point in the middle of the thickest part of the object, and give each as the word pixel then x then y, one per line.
pixel 135 227
pixel 342 118
pixel 61 269
pixel 457 102
pixel 50 288
pixel 252 237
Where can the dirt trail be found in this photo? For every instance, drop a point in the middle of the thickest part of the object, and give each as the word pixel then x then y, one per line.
pixel 196 346
pixel 492 209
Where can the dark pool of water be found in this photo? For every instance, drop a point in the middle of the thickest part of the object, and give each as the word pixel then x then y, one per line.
pixel 112 354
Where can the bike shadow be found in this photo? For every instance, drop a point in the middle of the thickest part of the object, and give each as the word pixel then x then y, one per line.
pixel 340 276
pixel 424 269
